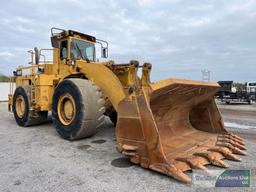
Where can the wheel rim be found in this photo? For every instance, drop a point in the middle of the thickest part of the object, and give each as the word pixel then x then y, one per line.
pixel 66 109
pixel 20 106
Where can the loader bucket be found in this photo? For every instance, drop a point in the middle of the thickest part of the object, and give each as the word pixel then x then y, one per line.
pixel 173 126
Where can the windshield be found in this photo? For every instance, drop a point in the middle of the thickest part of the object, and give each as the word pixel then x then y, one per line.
pixel 82 50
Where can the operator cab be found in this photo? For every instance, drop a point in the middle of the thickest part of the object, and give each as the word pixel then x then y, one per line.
pixel 74 45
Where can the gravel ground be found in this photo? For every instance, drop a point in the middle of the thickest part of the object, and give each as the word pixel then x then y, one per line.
pixel 37 159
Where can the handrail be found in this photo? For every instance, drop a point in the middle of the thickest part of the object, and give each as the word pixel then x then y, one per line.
pixel 46 49
pixel 11 87
pixel 30 67
pixel 32 57
pixel 40 53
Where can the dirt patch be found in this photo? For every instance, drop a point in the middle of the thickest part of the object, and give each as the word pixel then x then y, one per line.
pixel 83 147
pixel 121 162
pixel 100 141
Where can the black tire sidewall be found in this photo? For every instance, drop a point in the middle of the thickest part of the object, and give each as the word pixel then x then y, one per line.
pixel 113 117
pixel 21 121
pixel 71 130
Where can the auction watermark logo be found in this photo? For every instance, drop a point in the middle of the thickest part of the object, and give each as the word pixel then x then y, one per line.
pixel 222 178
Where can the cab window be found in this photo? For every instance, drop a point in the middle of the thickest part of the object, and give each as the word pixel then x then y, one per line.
pixel 64 50
pixel 82 50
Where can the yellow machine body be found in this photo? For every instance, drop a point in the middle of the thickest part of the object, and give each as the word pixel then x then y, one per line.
pixel 169 126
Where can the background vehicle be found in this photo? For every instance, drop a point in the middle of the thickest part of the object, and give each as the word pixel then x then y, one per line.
pixel 251 87
pixel 230 94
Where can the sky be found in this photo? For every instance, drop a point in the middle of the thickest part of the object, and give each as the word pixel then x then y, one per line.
pixel 178 37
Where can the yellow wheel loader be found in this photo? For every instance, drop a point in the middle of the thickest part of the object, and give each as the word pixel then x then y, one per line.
pixel 170 126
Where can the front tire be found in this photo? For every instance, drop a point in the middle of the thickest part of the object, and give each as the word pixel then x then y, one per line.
pixel 77 108
pixel 113 117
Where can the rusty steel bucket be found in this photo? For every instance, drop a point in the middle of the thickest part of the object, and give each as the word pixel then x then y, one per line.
pixel 173 126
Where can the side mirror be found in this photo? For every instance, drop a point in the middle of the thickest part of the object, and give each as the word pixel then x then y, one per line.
pixel 104 52
pixel 17 73
pixel 104 47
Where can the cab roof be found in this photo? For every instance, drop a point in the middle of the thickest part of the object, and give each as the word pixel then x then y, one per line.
pixel 71 33
pixel 58 34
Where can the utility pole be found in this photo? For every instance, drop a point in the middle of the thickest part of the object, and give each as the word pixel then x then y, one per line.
pixel 206 75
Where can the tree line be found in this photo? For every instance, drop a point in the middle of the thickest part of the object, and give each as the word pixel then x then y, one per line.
pixel 4 78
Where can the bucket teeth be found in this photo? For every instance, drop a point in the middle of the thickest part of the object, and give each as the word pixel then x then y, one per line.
pixel 219 163
pixel 236 138
pixel 238 151
pixel 179 175
pixel 226 152
pixel 240 146
pixel 232 148
pixel 200 166
pixel 213 159
pixel 233 138
pixel 172 171
pixel 235 144
pixel 238 141
pixel 193 162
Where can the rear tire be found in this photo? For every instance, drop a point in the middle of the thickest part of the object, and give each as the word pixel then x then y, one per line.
pixel 77 108
pixel 21 109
